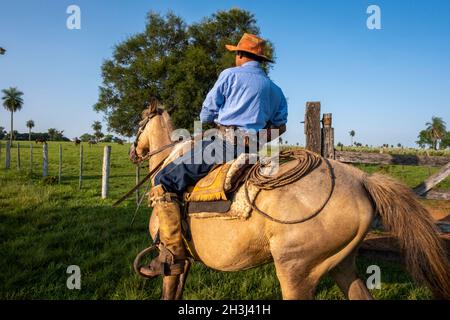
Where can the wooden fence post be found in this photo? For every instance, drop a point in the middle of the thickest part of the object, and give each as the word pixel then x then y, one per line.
pixel 18 155
pixel 432 181
pixel 81 168
pixel 8 155
pixel 137 181
pixel 105 171
pixel 60 164
pixel 45 161
pixel 312 127
pixel 327 136
pixel 31 158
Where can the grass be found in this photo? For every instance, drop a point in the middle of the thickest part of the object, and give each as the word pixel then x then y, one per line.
pixel 46 226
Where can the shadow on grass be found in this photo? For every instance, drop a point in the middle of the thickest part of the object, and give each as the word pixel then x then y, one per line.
pixel 38 245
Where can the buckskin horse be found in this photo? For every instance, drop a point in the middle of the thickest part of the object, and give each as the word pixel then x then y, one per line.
pixel 325 243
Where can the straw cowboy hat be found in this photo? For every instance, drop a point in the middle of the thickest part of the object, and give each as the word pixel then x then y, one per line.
pixel 251 44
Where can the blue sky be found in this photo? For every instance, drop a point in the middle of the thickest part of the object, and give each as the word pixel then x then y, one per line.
pixel 384 84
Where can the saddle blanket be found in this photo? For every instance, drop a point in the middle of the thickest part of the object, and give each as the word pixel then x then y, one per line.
pixel 221 180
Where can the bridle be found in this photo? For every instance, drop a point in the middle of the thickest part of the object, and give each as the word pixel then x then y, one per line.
pixel 138 159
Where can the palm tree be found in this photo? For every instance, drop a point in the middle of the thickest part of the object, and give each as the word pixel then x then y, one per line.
pixel 12 101
pixel 352 134
pixel 30 125
pixel 436 130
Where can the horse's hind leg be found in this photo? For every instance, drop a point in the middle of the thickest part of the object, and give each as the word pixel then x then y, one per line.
pixel 295 281
pixel 347 279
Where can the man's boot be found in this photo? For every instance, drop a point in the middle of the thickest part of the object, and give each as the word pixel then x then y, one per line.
pixel 172 255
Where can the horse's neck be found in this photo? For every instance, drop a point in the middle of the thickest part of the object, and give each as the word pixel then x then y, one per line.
pixel 159 135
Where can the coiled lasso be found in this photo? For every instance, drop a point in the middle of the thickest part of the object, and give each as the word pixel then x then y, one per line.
pixel 307 161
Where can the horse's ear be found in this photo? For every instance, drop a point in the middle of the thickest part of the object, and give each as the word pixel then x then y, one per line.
pixel 153 106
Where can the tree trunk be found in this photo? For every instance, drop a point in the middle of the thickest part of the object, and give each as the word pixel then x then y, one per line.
pixel 12 130
pixel 29 135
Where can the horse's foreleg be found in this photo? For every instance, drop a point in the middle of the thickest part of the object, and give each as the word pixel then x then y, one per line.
pixel 182 282
pixel 170 287
pixel 347 280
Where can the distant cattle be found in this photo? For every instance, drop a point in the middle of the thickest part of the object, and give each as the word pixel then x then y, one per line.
pixel 119 142
pixel 91 142
pixel 41 140
pixel 77 141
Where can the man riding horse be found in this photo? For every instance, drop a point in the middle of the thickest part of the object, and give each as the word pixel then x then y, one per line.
pixel 243 98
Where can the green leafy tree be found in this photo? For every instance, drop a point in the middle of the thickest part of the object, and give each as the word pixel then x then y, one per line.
pixel 30 125
pixel 2 133
pixel 108 138
pixel 97 127
pixel 171 61
pixel 13 102
pixel 54 134
pixel 424 139
pixel 445 143
pixel 87 137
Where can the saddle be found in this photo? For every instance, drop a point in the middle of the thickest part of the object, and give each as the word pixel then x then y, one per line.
pixel 215 192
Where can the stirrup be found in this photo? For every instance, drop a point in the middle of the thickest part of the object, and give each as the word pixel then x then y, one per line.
pixel 164 264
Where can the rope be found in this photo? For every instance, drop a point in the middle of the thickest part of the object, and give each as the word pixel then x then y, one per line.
pixel 307 161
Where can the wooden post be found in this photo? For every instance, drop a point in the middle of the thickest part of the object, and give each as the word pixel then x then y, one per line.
pixel 45 162
pixel 137 181
pixel 327 136
pixel 8 155
pixel 18 155
pixel 31 158
pixel 60 164
pixel 428 184
pixel 81 168
pixel 312 127
pixel 105 171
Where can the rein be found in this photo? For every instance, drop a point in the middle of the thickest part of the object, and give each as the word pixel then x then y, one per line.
pixel 140 159
pixel 149 175
pixel 150 154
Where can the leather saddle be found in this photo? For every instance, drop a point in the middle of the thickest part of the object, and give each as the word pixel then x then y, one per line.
pixel 211 193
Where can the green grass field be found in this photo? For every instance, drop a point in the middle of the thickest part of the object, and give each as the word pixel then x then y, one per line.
pixel 46 226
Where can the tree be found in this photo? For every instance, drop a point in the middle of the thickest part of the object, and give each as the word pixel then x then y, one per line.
pixel 171 61
pixel 55 135
pixel 12 101
pixel 352 134
pixel 87 137
pixel 97 127
pixel 2 133
pixel 445 142
pixel 30 125
pixel 436 130
pixel 108 138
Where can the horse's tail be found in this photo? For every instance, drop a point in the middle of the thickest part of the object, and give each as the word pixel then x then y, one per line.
pixel 404 216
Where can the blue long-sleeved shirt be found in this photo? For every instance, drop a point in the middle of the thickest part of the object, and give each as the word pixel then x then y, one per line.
pixel 245 97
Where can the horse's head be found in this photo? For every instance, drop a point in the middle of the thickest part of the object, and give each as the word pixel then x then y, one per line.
pixel 148 132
